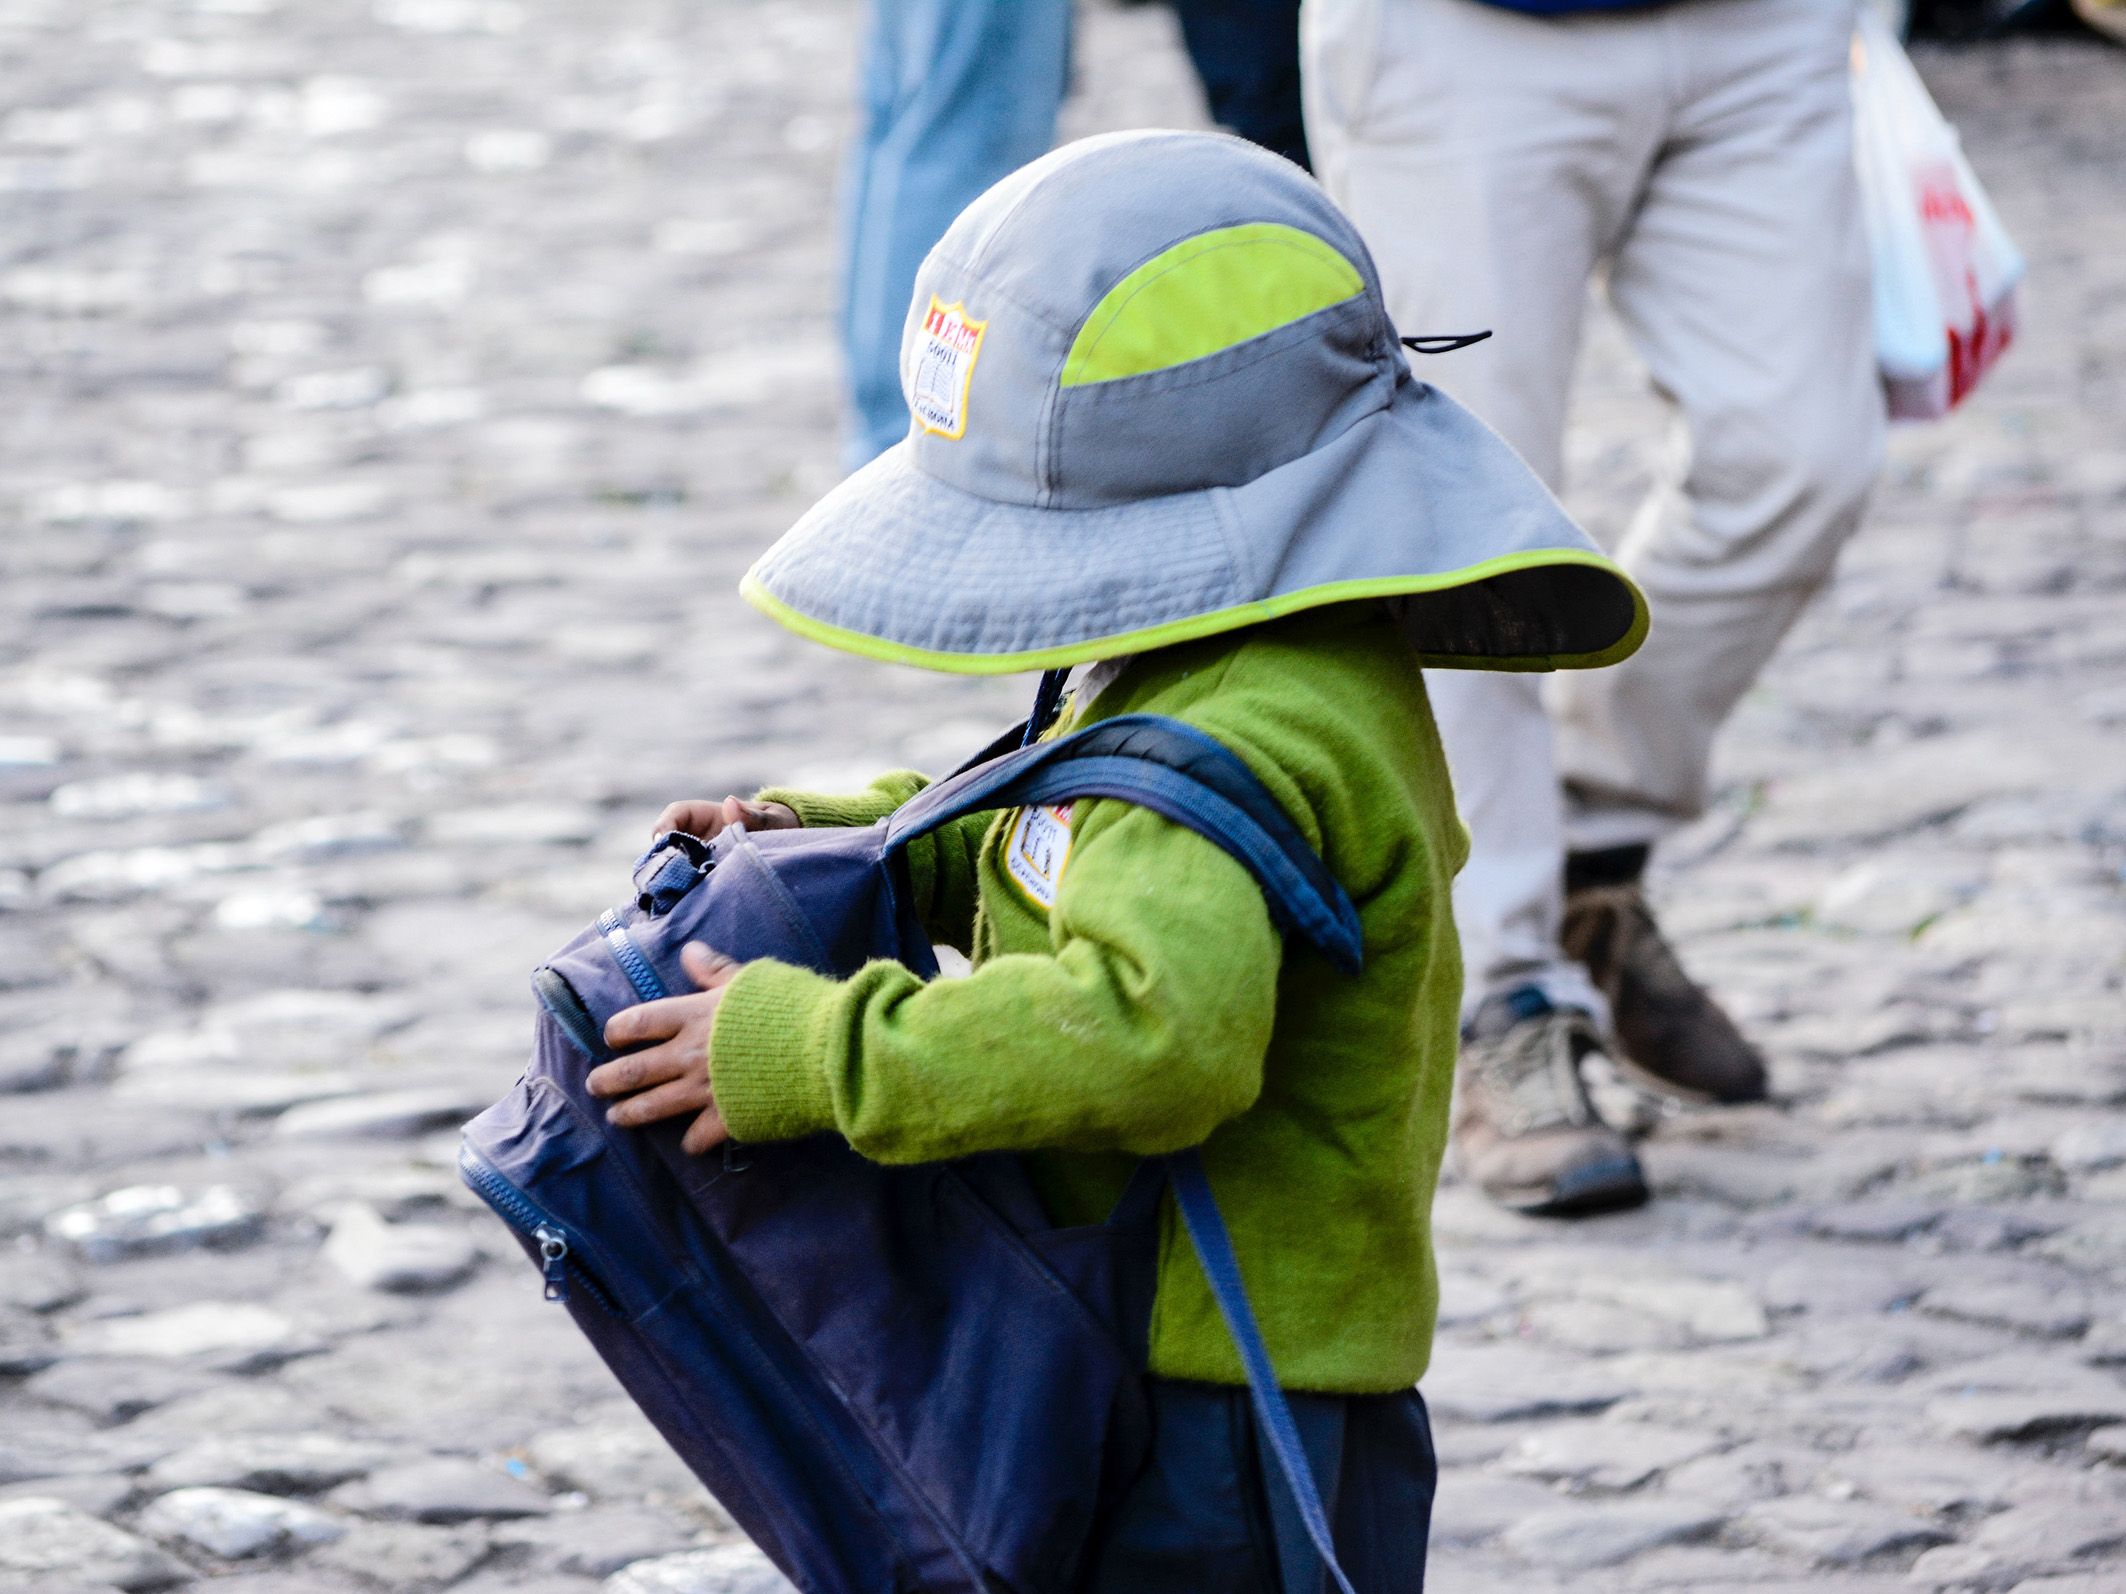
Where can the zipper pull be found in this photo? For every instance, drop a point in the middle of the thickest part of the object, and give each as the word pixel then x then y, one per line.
pixel 553 1259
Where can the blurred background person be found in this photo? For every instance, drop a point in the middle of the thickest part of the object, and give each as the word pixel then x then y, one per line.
pixel 954 94
pixel 1246 55
pixel 1697 158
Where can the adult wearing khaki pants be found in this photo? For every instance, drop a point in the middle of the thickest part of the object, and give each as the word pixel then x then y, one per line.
pixel 1697 158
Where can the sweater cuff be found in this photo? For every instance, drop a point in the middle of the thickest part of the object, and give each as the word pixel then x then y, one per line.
pixel 816 810
pixel 763 1065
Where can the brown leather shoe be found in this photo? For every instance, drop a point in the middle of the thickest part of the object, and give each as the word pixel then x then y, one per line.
pixel 1524 1128
pixel 1667 1026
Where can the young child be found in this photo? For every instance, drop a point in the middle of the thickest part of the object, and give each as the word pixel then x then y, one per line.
pixel 1162 426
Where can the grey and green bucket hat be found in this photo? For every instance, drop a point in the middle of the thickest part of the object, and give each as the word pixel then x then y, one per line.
pixel 1155 396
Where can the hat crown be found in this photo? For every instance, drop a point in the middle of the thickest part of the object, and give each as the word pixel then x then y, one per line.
pixel 1142 314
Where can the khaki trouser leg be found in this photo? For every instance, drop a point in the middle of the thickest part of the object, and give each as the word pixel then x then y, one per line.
pixel 1494 162
pixel 1744 284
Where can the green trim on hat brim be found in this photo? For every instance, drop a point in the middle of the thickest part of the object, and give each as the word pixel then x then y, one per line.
pixel 1197 626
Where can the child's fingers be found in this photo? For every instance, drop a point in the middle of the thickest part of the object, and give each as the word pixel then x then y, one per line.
pixel 639 1070
pixel 648 1021
pixel 666 1101
pixel 705 1133
pixel 672 818
pixel 771 816
pixel 707 967
pixel 707 820
pixel 692 818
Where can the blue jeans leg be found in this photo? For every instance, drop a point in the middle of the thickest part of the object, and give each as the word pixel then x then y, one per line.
pixel 954 95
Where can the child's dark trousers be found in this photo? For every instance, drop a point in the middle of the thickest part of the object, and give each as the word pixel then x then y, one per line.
pixel 1210 1514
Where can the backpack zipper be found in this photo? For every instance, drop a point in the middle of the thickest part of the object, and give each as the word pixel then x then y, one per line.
pixel 629 956
pixel 558 1256
pixel 553 1261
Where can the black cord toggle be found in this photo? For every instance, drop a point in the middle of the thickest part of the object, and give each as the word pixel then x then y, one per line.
pixel 1446 342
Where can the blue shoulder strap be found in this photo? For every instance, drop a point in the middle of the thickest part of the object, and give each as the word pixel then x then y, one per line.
pixel 1179 772
pixel 1273 1414
pixel 1194 780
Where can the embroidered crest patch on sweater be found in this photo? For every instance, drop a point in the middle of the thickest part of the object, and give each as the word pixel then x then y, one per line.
pixel 1037 849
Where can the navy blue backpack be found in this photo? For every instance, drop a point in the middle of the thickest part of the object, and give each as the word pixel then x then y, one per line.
pixel 895 1379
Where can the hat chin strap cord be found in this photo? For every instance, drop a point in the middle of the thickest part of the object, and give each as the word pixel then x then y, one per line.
pixel 1444 342
pixel 1047 702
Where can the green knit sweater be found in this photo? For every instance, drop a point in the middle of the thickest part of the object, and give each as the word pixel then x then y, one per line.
pixel 1130 997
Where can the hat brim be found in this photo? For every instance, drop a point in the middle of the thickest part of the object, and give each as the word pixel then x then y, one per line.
pixel 1418 501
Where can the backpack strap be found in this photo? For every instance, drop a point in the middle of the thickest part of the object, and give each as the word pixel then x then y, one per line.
pixel 1273 1414
pixel 1179 772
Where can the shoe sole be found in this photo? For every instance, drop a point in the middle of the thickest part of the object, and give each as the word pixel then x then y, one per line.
pixel 1615 1184
pixel 1637 1073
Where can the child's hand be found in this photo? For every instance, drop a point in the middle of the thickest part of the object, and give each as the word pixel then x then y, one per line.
pixel 670 1078
pixel 707 819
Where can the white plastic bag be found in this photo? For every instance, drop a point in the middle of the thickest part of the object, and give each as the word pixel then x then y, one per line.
pixel 1945 269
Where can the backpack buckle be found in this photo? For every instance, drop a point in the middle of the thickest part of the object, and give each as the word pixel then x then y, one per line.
pixel 674 865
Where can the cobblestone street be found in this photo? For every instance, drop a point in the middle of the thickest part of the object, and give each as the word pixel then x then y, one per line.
pixel 394 392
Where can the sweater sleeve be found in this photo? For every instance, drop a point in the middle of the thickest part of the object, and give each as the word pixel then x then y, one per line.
pixel 941 865
pixel 820 810
pixel 1142 1029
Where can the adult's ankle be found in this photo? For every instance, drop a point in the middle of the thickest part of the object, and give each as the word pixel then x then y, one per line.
pixel 1606 866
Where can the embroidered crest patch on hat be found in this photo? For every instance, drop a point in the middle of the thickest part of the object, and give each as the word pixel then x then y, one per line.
pixel 944 368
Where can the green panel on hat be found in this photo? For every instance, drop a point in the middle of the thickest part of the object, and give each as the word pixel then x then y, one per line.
pixel 1205 294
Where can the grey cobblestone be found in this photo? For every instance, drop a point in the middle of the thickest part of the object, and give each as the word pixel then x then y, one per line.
pixel 396 389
